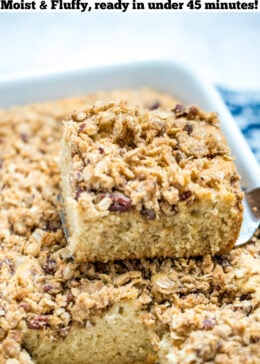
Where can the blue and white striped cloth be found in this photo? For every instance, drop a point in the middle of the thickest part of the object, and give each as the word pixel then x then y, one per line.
pixel 245 108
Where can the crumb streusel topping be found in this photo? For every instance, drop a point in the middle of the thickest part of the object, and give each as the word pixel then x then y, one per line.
pixel 125 157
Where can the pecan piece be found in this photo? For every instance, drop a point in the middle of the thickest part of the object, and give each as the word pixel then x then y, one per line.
pixel 192 112
pixel 154 105
pixel 185 195
pixel 208 324
pixel 82 127
pixel 70 297
pixel 234 179
pixel 179 110
pixel 188 128
pixel 79 191
pixel 39 322
pixel 254 339
pixel 47 288
pixel 25 306
pixel 50 266
pixel 120 203
pixel 101 150
pixel 24 137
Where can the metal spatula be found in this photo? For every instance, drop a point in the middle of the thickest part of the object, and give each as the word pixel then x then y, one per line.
pixel 251 216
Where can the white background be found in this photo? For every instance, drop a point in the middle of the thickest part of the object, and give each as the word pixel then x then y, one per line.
pixel 224 47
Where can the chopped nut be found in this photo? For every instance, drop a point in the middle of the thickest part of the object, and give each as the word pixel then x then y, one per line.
pixel 154 105
pixel 208 324
pixel 82 127
pixel 24 137
pixel 101 150
pixel 79 191
pixel 39 322
pixel 50 265
pixel 185 195
pixel 188 128
pixel 70 297
pixel 120 203
pixel 179 109
pixel 192 112
pixel 47 288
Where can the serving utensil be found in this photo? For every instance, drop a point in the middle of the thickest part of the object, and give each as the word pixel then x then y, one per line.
pixel 251 217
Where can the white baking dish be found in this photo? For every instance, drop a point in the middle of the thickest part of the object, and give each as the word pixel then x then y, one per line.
pixel 164 76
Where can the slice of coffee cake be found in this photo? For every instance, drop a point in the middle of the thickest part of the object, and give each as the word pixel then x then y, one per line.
pixel 148 183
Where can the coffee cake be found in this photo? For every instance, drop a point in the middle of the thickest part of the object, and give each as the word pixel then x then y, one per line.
pixel 56 310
